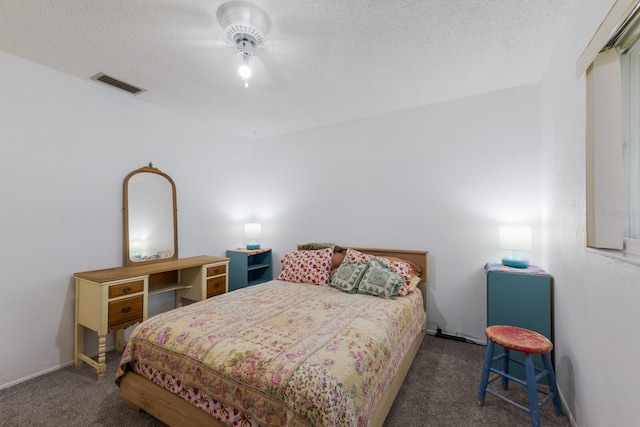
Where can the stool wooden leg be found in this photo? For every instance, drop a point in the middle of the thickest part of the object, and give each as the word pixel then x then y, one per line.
pixel 532 388
pixel 551 377
pixel 484 378
pixel 506 361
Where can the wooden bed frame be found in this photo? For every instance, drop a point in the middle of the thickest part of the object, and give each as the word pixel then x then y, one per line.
pixel 142 394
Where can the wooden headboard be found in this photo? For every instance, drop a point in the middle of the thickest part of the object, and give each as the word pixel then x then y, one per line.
pixel 420 258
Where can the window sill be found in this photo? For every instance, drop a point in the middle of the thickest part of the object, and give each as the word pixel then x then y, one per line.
pixel 623 256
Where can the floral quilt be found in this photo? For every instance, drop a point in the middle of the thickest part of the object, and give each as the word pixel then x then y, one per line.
pixel 281 353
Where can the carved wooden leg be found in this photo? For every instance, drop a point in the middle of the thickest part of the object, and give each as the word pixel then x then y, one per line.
pixel 102 347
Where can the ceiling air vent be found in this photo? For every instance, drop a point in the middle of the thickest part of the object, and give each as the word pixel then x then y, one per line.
pixel 101 77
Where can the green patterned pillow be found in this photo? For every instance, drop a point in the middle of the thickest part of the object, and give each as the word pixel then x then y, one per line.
pixel 380 281
pixel 348 276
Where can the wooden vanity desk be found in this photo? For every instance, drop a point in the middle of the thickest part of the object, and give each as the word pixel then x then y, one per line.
pixel 116 298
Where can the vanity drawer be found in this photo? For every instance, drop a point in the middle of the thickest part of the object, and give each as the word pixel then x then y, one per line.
pixel 126 311
pixel 216 286
pixel 126 289
pixel 216 270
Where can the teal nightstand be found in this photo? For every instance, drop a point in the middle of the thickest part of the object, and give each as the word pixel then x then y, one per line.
pixel 520 297
pixel 249 267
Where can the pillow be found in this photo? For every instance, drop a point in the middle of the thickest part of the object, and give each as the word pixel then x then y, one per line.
pixel 307 266
pixel 336 260
pixel 348 276
pixel 354 255
pixel 317 245
pixel 380 281
pixel 338 252
pixel 415 269
pixel 397 265
pixel 414 283
pixel 403 269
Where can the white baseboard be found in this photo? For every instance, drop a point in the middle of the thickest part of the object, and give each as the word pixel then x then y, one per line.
pixel 46 371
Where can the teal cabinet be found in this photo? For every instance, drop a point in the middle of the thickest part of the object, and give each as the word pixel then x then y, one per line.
pixel 520 297
pixel 249 267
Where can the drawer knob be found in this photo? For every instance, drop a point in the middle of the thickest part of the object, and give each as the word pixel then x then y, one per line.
pixel 127 289
pixel 216 271
pixel 126 309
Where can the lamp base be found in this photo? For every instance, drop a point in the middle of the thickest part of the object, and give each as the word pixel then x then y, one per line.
pixel 253 246
pixel 515 260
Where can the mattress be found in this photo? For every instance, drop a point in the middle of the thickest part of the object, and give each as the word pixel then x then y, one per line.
pixel 279 353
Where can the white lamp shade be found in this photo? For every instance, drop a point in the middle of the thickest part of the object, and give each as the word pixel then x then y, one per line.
pixel 252 230
pixel 515 237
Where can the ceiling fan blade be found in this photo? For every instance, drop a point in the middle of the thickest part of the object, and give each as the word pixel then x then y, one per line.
pixel 261 75
pixel 209 43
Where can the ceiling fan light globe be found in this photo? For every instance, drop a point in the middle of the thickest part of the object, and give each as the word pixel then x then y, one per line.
pixel 245 71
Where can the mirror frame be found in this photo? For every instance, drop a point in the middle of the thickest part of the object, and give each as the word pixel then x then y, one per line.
pixel 125 213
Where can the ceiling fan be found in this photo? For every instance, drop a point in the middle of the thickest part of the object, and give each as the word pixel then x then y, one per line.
pixel 245 26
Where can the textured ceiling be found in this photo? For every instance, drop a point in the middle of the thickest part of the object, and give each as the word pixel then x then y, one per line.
pixel 326 61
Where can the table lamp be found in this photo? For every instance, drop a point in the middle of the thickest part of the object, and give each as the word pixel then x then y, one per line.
pixel 515 238
pixel 252 232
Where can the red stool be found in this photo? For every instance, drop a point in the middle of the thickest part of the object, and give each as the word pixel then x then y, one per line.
pixel 529 343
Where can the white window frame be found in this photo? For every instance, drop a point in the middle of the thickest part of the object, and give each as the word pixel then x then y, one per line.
pixel 608 219
pixel 630 69
pixel 605 203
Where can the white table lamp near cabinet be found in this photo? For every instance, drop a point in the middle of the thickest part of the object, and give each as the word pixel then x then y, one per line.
pixel 252 231
pixel 515 238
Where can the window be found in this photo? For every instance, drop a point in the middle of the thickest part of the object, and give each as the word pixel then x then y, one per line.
pixel 628 48
pixel 612 62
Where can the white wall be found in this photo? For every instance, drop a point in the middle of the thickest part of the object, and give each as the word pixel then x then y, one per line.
pixel 66 147
pixel 440 178
pixel 596 298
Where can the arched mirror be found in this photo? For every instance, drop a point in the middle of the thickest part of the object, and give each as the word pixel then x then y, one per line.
pixel 150 217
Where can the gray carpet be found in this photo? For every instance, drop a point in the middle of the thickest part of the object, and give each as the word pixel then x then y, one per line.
pixel 440 390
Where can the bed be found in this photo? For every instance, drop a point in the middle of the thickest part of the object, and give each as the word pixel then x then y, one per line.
pixel 293 353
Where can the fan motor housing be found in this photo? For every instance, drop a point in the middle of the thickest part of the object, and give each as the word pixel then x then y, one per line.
pixel 243 22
